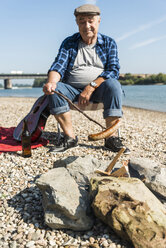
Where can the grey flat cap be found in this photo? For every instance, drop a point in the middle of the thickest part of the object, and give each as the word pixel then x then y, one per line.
pixel 87 9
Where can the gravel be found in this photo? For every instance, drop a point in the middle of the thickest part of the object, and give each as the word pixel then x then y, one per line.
pixel 21 212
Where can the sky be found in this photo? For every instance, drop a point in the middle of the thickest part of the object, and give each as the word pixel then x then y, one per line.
pixel 31 32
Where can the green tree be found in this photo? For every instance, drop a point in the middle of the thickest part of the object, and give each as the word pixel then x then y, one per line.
pixel 161 78
pixel 129 79
pixel 39 82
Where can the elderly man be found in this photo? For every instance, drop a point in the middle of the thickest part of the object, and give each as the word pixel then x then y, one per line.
pixel 85 69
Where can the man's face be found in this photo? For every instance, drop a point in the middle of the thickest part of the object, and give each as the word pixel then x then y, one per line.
pixel 88 26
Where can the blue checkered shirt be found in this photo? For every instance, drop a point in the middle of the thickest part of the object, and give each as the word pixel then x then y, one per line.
pixel 106 49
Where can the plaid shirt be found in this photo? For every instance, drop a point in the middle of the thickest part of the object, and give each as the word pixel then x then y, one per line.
pixel 106 49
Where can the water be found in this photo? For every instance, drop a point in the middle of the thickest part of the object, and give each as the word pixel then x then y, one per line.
pixel 21 92
pixel 152 97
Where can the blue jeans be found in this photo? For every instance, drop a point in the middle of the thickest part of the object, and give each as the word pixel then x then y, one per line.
pixel 109 93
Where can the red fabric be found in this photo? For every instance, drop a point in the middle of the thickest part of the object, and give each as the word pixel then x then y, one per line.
pixel 9 144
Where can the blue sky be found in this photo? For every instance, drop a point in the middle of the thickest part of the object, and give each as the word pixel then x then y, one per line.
pixel 32 31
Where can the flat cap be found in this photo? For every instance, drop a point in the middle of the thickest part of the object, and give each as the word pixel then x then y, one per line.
pixel 87 9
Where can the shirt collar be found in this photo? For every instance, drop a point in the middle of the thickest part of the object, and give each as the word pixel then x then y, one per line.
pixel 99 38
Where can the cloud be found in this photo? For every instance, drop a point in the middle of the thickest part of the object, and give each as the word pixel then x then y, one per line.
pixel 90 1
pixel 147 42
pixel 141 28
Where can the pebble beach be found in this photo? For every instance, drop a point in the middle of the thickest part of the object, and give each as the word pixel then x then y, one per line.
pixel 21 213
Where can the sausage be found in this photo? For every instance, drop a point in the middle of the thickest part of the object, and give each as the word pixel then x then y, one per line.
pixel 104 134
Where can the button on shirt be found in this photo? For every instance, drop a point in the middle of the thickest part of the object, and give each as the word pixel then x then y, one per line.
pixel 106 49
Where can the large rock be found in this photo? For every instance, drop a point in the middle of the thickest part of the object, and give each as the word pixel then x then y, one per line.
pixel 62 201
pixel 155 176
pixel 131 209
pixel 65 191
pixel 81 168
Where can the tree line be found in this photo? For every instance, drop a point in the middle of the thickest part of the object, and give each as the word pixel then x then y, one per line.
pixel 127 79
pixel 130 79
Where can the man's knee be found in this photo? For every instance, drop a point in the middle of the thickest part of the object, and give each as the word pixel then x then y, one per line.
pixel 113 87
pixel 58 104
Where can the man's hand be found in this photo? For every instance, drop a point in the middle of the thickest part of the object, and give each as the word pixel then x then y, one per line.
pixel 53 78
pixel 49 87
pixel 85 95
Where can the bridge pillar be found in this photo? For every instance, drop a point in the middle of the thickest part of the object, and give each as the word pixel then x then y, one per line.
pixel 7 83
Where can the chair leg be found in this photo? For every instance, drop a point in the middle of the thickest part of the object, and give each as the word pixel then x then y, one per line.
pixel 118 132
pixel 59 132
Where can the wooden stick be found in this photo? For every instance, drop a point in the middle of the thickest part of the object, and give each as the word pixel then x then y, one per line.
pixel 103 173
pixel 111 165
pixel 70 102
pixel 120 172
pixel 107 172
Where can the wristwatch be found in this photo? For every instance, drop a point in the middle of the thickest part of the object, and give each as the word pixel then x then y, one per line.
pixel 93 84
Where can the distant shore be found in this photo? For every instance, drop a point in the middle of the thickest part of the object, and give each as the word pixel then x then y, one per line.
pixel 30 86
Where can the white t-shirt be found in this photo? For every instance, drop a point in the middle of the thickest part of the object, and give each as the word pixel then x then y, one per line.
pixel 87 66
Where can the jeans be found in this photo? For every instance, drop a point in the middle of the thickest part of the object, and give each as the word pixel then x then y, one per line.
pixel 109 93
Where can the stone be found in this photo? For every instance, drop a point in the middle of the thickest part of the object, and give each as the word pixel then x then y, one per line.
pixel 95 245
pixel 155 175
pixel 13 244
pixel 52 242
pixel 62 201
pixel 65 191
pixel 35 236
pixel 41 242
pixel 131 210
pixel 91 240
pixel 30 244
pixel 81 168
pixel 105 243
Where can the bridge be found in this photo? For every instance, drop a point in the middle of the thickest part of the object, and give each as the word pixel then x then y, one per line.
pixel 7 77
pixel 8 84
